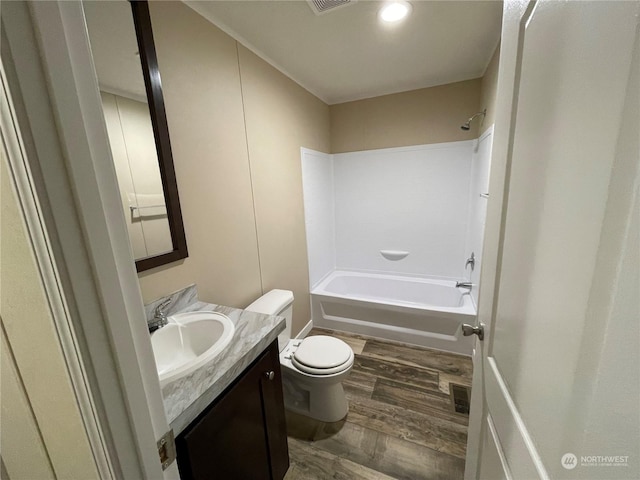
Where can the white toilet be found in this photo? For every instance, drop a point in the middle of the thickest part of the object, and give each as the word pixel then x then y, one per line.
pixel 312 368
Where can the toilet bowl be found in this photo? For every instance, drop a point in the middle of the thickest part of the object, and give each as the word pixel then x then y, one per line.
pixel 313 368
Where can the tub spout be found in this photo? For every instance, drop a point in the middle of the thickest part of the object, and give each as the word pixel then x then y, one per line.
pixel 468 285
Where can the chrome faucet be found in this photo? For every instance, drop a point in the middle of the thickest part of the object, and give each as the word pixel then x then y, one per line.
pixel 468 285
pixel 159 317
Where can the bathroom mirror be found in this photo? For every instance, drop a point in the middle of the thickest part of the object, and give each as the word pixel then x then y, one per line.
pixel 131 91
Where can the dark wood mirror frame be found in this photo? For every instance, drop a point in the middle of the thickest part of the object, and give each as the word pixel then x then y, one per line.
pixel 155 99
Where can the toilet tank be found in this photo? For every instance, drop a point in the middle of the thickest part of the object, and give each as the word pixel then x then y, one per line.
pixel 276 302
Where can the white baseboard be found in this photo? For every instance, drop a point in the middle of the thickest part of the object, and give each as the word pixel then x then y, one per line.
pixel 305 330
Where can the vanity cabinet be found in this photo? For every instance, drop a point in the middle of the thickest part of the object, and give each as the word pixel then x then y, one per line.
pixel 242 434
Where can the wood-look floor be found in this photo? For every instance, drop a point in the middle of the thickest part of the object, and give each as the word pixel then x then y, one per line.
pixel 401 423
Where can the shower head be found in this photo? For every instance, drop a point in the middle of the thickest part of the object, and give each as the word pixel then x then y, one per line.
pixel 467 124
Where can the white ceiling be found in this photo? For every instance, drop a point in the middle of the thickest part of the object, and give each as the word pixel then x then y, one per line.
pixel 346 54
pixel 115 49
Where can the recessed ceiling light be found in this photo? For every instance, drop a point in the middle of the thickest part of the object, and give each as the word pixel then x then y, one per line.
pixel 395 11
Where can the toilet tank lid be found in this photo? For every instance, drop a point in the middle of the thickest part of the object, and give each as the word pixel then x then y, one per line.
pixel 272 303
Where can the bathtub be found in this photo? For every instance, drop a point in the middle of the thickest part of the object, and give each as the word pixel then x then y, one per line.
pixel 406 309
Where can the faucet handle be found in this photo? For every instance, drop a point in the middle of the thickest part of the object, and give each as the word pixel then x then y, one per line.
pixel 159 318
pixel 471 261
pixel 160 308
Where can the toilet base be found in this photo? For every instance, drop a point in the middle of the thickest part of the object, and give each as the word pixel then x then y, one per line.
pixel 327 403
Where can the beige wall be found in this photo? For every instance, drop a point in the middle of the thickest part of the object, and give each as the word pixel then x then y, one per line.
pixel 201 83
pixel 42 433
pixel 427 115
pixel 280 118
pixel 489 88
pixel 227 152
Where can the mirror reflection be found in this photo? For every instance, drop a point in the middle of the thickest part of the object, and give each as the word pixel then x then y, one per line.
pixel 133 147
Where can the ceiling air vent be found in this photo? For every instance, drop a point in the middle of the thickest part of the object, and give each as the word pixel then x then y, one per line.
pixel 321 7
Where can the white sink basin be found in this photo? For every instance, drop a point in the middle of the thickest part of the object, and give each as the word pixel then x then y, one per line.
pixel 189 341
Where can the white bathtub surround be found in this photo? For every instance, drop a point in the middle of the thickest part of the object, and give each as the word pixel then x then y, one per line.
pixel 388 235
pixel 411 310
pixel 319 208
pixel 408 199
pixel 478 198
pixel 412 199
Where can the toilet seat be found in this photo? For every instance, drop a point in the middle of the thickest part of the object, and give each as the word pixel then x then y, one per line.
pixel 322 355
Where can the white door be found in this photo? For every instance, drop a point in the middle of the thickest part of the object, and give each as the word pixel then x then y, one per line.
pixel 557 376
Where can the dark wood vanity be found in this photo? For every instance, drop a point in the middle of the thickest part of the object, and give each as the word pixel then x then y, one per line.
pixel 242 434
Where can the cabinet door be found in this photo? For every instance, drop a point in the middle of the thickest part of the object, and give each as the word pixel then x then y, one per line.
pixel 243 434
pixel 273 408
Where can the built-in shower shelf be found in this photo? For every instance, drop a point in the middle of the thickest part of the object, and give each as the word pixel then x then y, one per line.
pixel 394 255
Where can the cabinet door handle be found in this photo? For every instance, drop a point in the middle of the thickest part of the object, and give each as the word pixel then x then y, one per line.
pixel 270 374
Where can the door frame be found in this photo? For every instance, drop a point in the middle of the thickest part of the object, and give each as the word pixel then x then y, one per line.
pixel 506 101
pixel 21 182
pixel 51 80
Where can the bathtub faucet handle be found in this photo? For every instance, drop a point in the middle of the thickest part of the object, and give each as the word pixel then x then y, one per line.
pixel 471 261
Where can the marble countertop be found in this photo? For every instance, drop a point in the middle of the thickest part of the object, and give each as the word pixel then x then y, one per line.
pixel 187 397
